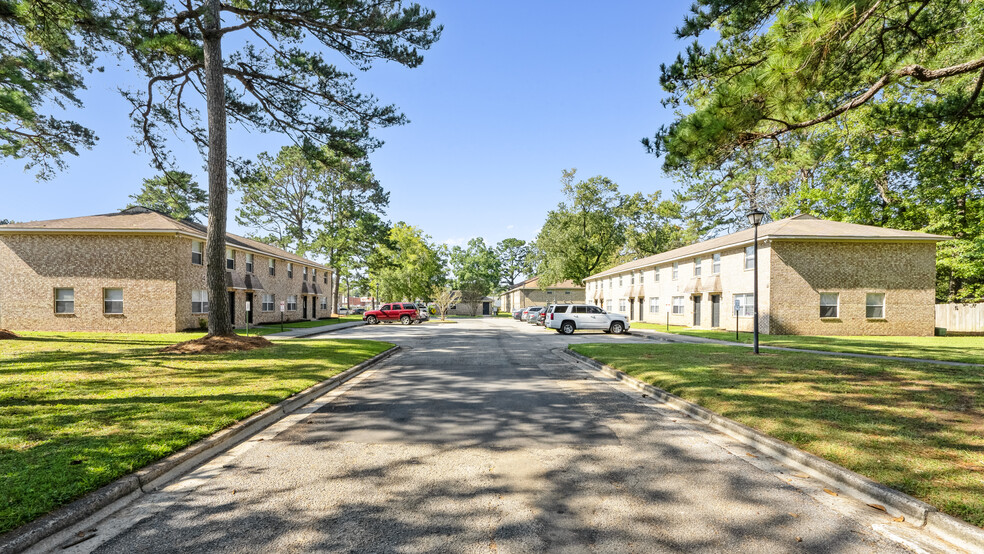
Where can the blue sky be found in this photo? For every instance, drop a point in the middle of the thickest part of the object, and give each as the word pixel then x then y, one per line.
pixel 514 92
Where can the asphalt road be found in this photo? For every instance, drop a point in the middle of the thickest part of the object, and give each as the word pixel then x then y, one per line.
pixel 478 438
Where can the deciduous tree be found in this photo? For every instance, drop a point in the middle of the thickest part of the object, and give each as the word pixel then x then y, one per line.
pixel 515 260
pixel 444 298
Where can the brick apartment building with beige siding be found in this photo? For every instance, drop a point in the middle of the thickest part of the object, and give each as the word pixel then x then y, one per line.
pixel 528 293
pixel 816 277
pixel 139 271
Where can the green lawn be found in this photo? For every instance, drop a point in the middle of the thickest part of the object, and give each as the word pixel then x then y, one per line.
pixel 950 349
pixel 269 328
pixel 916 427
pixel 78 410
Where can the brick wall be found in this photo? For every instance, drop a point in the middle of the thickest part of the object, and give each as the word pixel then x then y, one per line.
pixel 905 272
pixel 33 265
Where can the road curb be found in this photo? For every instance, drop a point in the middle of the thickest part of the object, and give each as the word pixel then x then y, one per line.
pixel 162 472
pixel 896 503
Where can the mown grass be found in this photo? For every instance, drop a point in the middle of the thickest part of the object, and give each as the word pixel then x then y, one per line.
pixel 78 410
pixel 949 349
pixel 915 427
pixel 270 328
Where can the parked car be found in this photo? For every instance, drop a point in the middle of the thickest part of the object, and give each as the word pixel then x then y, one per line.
pixel 404 312
pixel 541 317
pixel 358 311
pixel 424 312
pixel 567 318
pixel 533 314
pixel 518 314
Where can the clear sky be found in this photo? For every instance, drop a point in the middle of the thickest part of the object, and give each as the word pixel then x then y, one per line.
pixel 514 92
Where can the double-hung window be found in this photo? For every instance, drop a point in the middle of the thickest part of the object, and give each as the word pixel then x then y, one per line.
pixel 325 277
pixel 197 248
pixel 749 257
pixel 677 305
pixel 272 265
pixel 698 263
pixel 268 303
pixel 745 304
pixel 249 263
pixel 304 273
pixel 656 274
pixel 112 301
pixel 64 301
pixel 620 280
pixel 654 304
pixel 292 303
pixel 621 305
pixel 632 278
pixel 829 304
pixel 199 301
pixel 324 302
pixel 676 271
pixel 290 270
pixel 716 264
pixel 230 258
pixel 874 305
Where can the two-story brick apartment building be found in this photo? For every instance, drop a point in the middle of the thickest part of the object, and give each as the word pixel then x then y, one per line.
pixel 816 277
pixel 528 293
pixel 141 271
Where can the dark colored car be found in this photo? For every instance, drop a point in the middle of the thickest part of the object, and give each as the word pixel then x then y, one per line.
pixel 404 312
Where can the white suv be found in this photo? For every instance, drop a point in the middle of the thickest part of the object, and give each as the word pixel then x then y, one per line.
pixel 566 318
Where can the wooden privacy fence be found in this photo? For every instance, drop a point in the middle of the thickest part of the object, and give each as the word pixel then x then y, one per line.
pixel 963 318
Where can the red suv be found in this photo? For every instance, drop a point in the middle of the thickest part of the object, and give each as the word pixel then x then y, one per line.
pixel 404 312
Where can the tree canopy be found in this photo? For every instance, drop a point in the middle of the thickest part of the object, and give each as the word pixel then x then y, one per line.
pixel 406 266
pixel 175 194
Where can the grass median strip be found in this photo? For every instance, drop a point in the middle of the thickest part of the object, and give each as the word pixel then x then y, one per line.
pixel 918 428
pixel 78 410
pixel 947 349
pixel 270 328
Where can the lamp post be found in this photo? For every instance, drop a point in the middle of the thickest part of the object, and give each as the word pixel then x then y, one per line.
pixel 755 218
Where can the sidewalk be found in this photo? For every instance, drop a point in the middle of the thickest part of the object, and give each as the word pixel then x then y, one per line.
pixel 309 331
pixel 671 337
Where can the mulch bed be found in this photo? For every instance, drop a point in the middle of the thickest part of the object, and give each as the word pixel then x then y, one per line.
pixel 7 335
pixel 213 344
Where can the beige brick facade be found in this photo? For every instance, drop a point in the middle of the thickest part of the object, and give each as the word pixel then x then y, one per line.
pixel 793 273
pixel 156 274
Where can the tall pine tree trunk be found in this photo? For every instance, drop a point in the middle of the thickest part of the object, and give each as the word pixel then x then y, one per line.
pixel 219 322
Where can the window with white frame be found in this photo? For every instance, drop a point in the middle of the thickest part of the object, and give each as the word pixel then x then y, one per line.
pixel 677 305
pixel 698 263
pixel 112 301
pixel 304 273
pixel 632 278
pixel 272 266
pixel 268 303
pixel 642 277
pixel 230 258
pixel 249 263
pixel 197 248
pixel 829 304
pixel 620 280
pixel 324 302
pixel 609 305
pixel 314 274
pixel 656 274
pixel 874 305
pixel 610 283
pixel 325 277
pixel 654 304
pixel 292 302
pixel 621 305
pixel 715 263
pixel 199 301
pixel 745 304
pixel 290 270
pixel 749 257
pixel 64 301
pixel 676 270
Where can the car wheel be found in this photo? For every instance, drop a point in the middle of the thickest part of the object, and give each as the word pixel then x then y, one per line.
pixel 371 320
pixel 567 327
pixel 617 328
pixel 405 319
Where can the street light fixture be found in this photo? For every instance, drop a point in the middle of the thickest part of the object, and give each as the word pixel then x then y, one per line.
pixel 755 218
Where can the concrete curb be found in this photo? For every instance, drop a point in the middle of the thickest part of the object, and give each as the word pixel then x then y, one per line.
pixel 311 331
pixel 896 503
pixel 161 472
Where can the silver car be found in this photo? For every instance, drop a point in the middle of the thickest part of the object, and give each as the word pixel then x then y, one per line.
pixel 532 314
pixel 567 318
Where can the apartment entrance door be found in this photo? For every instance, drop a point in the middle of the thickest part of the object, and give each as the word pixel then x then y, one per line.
pixel 696 310
pixel 232 306
pixel 715 310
